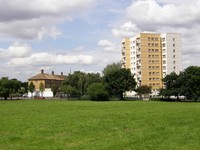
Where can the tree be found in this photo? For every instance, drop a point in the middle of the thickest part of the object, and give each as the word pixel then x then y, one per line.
pixel 110 68
pixel 41 88
pixel 77 80
pixel 31 88
pixel 191 82
pixel 9 87
pixel 98 92
pixel 172 86
pixel 4 87
pixel 14 87
pixel 67 89
pixel 80 81
pixel 119 81
pixel 54 89
pixel 91 78
pixel 143 90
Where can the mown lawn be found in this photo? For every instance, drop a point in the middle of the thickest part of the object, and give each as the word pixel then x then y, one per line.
pixel 116 125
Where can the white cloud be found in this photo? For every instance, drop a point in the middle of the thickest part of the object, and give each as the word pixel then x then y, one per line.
pixel 125 30
pixel 107 45
pixel 36 19
pixel 48 59
pixel 16 50
pixel 151 13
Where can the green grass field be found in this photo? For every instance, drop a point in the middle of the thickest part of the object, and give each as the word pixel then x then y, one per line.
pixel 115 125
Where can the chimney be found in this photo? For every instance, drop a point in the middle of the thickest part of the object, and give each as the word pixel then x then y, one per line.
pixel 61 73
pixel 52 72
pixel 42 71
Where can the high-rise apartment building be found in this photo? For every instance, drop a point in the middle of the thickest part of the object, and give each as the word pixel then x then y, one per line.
pixel 171 53
pixel 150 56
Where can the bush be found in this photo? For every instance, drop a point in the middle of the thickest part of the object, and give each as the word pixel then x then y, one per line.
pixel 97 92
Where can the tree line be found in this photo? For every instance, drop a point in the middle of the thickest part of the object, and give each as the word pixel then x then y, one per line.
pixel 112 83
pixel 186 84
pixel 12 88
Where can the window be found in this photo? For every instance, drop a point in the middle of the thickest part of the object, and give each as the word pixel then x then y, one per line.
pixel 174 45
pixel 174 50
pixel 174 56
pixel 163 45
pixel 173 39
pixel 164 61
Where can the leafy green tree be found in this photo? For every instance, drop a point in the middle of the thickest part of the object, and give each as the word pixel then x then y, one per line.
pixel 172 85
pixel 41 88
pixel 9 87
pixel 98 92
pixel 4 87
pixel 24 86
pixel 31 88
pixel 67 89
pixel 77 80
pixel 191 82
pixel 54 89
pixel 119 81
pixel 110 68
pixel 80 81
pixel 91 78
pixel 15 86
pixel 143 90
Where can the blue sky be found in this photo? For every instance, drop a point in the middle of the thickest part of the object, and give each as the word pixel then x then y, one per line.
pixel 86 35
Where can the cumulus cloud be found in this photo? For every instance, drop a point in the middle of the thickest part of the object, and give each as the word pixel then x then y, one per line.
pixel 107 45
pixel 151 13
pixel 125 30
pixel 48 59
pixel 36 19
pixel 16 50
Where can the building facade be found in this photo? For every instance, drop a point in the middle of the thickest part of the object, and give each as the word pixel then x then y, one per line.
pixel 150 56
pixel 48 80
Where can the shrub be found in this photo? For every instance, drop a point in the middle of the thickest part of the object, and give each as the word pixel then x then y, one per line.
pixel 98 92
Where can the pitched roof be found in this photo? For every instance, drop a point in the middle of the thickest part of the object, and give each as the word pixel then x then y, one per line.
pixel 45 76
